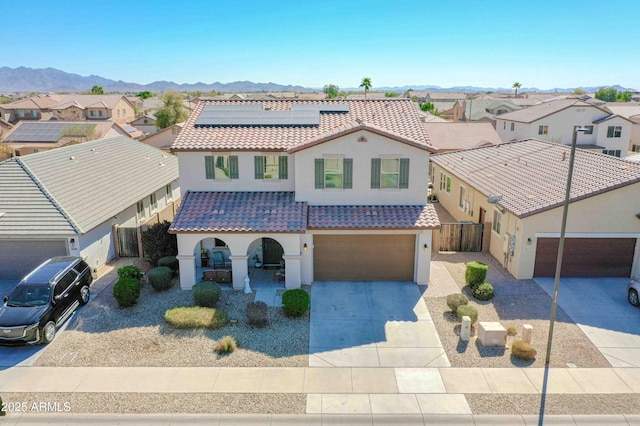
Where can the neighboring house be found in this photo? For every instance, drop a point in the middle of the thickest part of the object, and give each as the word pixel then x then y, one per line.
pixel 138 104
pixel 554 121
pixel 634 158
pixel 427 117
pixel 67 201
pixel 146 124
pixel 29 137
pixel 528 179
pixel 435 97
pixel 451 111
pixel 164 138
pixel 37 107
pixel 95 107
pixel 458 136
pixel 5 127
pixel 631 112
pixel 337 190
pixel 487 110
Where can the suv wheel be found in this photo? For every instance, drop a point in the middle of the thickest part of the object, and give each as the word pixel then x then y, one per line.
pixel 85 295
pixel 633 297
pixel 48 332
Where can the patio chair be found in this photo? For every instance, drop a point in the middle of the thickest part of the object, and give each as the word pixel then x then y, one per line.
pixel 218 260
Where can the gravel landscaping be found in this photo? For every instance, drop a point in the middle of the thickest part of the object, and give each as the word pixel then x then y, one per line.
pixel 219 403
pixel 104 335
pixel 554 404
pixel 516 302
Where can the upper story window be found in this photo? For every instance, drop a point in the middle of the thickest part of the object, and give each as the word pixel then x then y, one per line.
pixel 635 148
pixel 497 221
pixel 513 126
pixel 614 152
pixel 333 173
pixel 614 131
pixel 445 182
pixel 542 130
pixel 21 113
pixel 271 167
pixel 153 202
pixel 462 202
pixel 34 113
pixel 504 125
pixel 390 173
pixel 140 213
pixel 169 192
pixel 101 113
pixel 588 130
pixel 221 166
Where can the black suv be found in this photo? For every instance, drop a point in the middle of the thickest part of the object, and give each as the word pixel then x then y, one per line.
pixel 43 300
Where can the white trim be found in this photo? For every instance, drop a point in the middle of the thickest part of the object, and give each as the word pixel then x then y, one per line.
pixel 587 235
pixel 366 231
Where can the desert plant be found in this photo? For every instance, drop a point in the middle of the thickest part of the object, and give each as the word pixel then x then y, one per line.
pixel 467 311
pixel 160 278
pixel 295 302
pixel 483 292
pixel 169 261
pixel 126 291
pixel 512 331
pixel 206 294
pixel 157 242
pixel 456 300
pixel 195 317
pixel 522 350
pixel 257 313
pixel 129 271
pixel 476 273
pixel 225 345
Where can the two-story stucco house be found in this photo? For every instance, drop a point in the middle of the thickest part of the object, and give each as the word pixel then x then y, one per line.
pixel 554 121
pixel 95 107
pixel 335 190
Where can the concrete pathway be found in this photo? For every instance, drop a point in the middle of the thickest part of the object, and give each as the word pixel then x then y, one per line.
pixel 372 324
pixel 441 284
pixel 600 308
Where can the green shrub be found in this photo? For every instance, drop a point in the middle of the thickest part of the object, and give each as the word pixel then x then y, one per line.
pixel 257 314
pixel 467 311
pixel 476 273
pixel 483 292
pixel 226 345
pixel 169 261
pixel 130 271
pixel 295 302
pixel 195 317
pixel 160 278
pixel 206 294
pixel 523 350
pixel 126 291
pixel 456 300
pixel 512 331
pixel 157 242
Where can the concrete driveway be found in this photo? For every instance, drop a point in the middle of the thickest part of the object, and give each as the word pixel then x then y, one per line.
pixel 599 306
pixel 372 324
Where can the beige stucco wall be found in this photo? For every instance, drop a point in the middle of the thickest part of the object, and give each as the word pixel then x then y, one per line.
pixel 123 112
pixel 348 146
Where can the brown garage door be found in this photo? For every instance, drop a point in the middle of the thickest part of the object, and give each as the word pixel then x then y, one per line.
pixel 586 257
pixel 19 257
pixel 363 257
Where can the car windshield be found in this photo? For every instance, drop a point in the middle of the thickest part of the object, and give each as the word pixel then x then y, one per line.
pixel 29 295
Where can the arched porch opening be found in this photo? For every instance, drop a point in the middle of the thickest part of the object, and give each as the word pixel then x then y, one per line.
pixel 265 261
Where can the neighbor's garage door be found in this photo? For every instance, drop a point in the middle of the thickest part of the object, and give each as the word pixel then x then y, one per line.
pixel 363 257
pixel 19 257
pixel 586 257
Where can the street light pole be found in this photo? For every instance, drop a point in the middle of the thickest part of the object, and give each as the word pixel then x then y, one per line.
pixel 563 228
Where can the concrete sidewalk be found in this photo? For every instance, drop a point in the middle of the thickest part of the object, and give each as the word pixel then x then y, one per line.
pixel 330 390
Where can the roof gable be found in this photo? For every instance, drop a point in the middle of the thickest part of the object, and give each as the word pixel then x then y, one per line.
pixel 530 174
pixel 537 112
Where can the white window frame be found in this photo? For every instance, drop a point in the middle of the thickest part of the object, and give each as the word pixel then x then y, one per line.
pixel 617 131
pixel 496 226
pixel 141 213
pixel 340 171
pixel 225 162
pixel 462 201
pixel 153 202
pixel 272 175
pixel 543 129
pixel 168 193
pixel 445 183
pixel 387 173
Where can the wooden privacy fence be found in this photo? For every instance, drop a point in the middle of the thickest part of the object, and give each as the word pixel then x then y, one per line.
pixel 128 241
pixel 461 237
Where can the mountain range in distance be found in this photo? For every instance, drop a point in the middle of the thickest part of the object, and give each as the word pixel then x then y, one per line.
pixel 43 80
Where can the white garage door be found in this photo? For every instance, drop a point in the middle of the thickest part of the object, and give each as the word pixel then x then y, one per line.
pixel 19 257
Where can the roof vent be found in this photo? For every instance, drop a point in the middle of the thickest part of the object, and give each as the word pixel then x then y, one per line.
pixel 72 158
pixel 161 164
pixel 564 155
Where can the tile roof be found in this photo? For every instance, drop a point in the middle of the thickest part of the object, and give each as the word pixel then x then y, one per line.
pixel 396 116
pixel 208 211
pixel 34 102
pixel 49 132
pixel 454 136
pixel 373 217
pixel 91 101
pixel 536 112
pixel 531 174
pixel 86 183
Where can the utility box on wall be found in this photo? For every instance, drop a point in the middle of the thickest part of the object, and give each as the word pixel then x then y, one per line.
pixel 492 334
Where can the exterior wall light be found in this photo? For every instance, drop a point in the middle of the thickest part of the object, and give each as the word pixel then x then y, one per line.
pixel 305 247
pixel 425 248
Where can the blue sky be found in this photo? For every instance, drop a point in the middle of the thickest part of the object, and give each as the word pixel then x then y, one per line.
pixel 543 44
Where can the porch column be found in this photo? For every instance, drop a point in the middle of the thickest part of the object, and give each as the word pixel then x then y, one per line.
pixel 239 269
pixel 292 277
pixel 423 258
pixel 187 270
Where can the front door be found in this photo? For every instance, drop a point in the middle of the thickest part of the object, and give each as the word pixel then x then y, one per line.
pixel 482 213
pixel 272 252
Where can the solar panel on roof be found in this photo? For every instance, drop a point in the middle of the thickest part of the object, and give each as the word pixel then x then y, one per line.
pixel 254 115
pixel 49 131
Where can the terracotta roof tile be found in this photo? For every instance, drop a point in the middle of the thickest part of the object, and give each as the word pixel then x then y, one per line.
pixel 240 212
pixel 372 217
pixel 395 116
pixel 531 174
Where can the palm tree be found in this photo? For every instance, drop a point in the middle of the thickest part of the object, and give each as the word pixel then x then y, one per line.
pixel 516 86
pixel 97 90
pixel 366 84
